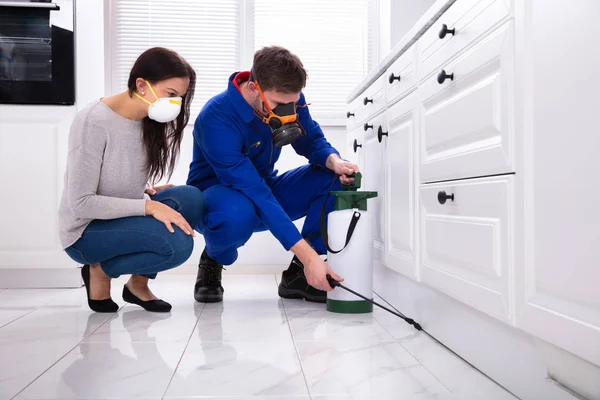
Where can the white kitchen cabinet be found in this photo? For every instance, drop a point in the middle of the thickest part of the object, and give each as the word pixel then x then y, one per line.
pixel 354 147
pixel 558 268
pixel 374 178
pixel 466 117
pixel 400 77
pixel 465 22
pixel 487 215
pixel 465 241
pixel 400 187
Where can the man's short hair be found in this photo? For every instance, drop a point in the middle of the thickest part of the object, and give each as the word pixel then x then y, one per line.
pixel 276 68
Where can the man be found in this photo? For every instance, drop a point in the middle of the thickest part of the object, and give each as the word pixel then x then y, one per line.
pixel 237 141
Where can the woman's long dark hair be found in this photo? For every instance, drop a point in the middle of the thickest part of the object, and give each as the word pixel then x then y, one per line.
pixel 162 141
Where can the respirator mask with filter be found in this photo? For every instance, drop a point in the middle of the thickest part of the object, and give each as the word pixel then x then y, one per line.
pixel 283 121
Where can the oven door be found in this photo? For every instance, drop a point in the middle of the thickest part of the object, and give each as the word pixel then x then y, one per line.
pixel 37 52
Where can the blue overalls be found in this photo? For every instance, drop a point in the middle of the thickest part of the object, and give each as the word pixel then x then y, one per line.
pixel 233 164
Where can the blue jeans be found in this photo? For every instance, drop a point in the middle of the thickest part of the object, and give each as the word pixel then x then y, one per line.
pixel 141 245
pixel 231 219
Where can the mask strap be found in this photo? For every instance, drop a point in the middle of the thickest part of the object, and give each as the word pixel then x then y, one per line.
pixel 152 90
pixel 264 99
pixel 141 98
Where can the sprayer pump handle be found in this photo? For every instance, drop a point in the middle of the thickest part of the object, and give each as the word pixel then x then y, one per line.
pixel 332 282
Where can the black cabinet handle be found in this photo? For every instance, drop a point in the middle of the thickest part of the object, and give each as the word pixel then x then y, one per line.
pixel 381 134
pixel 367 100
pixel 444 31
pixel 366 126
pixel 394 78
pixel 356 145
pixel 442 197
pixel 349 114
pixel 442 76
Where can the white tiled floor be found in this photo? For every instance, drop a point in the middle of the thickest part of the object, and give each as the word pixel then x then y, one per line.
pixel 251 346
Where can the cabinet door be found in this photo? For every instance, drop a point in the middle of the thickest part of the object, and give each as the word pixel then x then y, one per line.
pixel 465 241
pixel 558 272
pixel 374 173
pixel 400 187
pixel 354 146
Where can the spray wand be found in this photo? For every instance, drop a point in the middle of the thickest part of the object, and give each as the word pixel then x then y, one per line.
pixel 333 283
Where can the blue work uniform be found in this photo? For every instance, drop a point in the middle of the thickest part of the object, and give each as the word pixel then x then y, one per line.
pixel 233 164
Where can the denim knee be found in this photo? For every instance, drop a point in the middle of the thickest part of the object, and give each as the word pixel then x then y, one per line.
pixel 181 247
pixel 187 200
pixel 192 204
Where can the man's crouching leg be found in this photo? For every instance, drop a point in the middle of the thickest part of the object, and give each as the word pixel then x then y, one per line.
pixel 229 221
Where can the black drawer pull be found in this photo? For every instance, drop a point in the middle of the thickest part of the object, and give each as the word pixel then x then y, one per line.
pixel 381 134
pixel 356 145
pixel 442 76
pixel 394 78
pixel 367 100
pixel 444 31
pixel 442 197
pixel 349 114
pixel 366 126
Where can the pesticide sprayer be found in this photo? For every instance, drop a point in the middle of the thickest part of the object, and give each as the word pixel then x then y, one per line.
pixel 350 229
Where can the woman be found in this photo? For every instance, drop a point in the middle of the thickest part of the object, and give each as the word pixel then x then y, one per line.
pixel 117 146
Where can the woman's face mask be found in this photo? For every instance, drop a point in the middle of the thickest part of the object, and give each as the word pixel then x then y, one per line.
pixel 164 109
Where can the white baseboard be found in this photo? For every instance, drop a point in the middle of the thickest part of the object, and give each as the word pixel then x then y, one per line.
pixel 507 355
pixel 40 278
pixel 236 269
pixel 65 278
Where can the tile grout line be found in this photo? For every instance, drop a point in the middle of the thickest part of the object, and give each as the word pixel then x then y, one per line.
pixel 407 350
pixel 294 343
pixel 68 352
pixel 34 309
pixel 183 352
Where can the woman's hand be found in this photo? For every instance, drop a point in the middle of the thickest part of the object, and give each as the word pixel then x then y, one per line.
pixel 168 216
pixel 153 190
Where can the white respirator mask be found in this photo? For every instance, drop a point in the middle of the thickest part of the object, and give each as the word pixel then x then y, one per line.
pixel 164 109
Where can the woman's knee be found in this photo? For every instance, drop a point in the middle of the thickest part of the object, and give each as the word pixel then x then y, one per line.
pixel 190 203
pixel 181 247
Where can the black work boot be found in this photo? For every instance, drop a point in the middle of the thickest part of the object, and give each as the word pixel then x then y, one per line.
pixel 294 285
pixel 208 288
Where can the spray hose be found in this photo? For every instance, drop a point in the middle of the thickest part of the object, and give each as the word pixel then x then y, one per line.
pixel 332 282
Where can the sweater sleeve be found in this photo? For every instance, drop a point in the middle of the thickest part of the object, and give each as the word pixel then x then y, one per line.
pixel 313 146
pixel 221 144
pixel 84 163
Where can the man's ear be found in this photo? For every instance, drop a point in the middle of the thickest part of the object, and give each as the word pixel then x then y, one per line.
pixel 252 88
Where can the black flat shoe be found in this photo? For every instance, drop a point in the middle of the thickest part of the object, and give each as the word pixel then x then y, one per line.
pixel 100 306
pixel 148 305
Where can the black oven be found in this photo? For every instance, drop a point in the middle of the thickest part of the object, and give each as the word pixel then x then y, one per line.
pixel 37 52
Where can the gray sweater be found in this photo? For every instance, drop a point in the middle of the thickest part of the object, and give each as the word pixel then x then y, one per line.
pixel 106 171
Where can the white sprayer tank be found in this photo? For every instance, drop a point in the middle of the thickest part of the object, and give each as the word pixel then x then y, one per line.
pixel 355 262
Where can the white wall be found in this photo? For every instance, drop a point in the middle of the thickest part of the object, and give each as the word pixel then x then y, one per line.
pixel 33 144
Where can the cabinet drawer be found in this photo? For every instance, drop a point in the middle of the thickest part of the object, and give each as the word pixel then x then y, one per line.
pixel 353 113
pixel 354 146
pixel 400 77
pixel 467 121
pixel 372 100
pixel 470 19
pixel 466 241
